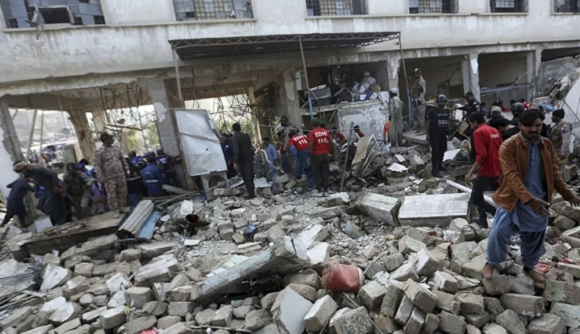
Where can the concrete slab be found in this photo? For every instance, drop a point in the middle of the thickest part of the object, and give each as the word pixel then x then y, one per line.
pixel 413 137
pixel 381 208
pixel 289 310
pixel 433 210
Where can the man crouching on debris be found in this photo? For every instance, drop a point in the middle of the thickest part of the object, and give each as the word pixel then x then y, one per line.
pixel 530 175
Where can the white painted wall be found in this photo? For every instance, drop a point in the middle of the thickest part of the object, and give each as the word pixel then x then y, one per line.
pixel 124 47
pixel 123 12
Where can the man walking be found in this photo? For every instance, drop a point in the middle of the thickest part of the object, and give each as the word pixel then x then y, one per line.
pixel 396 118
pixel 530 175
pixel 244 158
pixel 418 92
pixel 299 149
pixel 487 142
pixel 560 137
pixel 112 169
pixel 437 130
pixel 319 149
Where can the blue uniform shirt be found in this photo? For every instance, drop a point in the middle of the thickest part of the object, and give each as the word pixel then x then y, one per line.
pixel 272 154
pixel 153 180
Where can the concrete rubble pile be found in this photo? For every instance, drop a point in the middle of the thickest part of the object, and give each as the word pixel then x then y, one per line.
pixel 418 258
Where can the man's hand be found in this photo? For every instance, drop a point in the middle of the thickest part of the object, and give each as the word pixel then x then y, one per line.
pixel 236 166
pixel 468 176
pixel 575 201
pixel 539 207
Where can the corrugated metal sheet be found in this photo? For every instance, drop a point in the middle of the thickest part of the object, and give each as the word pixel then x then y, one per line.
pixel 148 228
pixel 137 219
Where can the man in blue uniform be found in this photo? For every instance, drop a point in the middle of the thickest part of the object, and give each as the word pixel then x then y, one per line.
pixel 152 178
pixel 15 203
pixel 165 165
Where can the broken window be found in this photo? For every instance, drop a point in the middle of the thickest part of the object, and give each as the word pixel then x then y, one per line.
pixel 212 9
pixel 567 6
pixel 335 7
pixel 509 6
pixel 29 13
pixel 433 6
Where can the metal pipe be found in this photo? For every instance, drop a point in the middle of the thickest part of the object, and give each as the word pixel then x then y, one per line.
pixel 409 103
pixel 31 136
pixel 306 77
pixel 467 190
pixel 178 79
pixel 41 126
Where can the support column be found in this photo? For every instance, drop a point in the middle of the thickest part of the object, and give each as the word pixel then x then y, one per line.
pixel 393 64
pixel 533 62
pixel 289 105
pixel 100 119
pixel 10 149
pixel 83 130
pixel 470 72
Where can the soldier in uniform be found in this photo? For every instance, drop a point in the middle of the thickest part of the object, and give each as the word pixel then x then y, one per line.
pixel 437 131
pixel 112 170
pixel 560 137
pixel 418 92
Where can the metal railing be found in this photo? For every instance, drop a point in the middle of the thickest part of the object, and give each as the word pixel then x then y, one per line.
pixel 212 9
pixel 433 6
pixel 20 13
pixel 566 6
pixel 508 6
pixel 336 7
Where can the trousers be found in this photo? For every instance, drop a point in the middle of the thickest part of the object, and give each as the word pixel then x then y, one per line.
pixel 302 167
pixel 420 114
pixel 117 190
pixel 532 247
pixel 247 171
pixel 15 209
pixel 438 142
pixel 321 171
pixel 482 183
pixel 134 198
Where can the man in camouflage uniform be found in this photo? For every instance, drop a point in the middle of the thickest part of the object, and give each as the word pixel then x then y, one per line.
pixel 560 137
pixel 112 169
pixel 418 92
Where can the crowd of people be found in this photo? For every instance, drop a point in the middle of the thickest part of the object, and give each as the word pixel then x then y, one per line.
pixel 85 191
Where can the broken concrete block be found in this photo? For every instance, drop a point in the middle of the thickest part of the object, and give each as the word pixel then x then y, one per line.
pixel 471 303
pixel 138 296
pixel 510 321
pixel 405 272
pixel 242 311
pixel 522 284
pixel 570 314
pixel 68 326
pixel 326 213
pixel 117 299
pixel 155 308
pixel 392 299
pixel 522 304
pixel 140 324
pixel 381 208
pixel 205 317
pixel 160 271
pixel 393 262
pixel 161 291
pixel 268 300
pixel 547 324
pixel 451 324
pixel 54 276
pixel 223 317
pixel 306 277
pixel 112 318
pixel 318 254
pixel 268 329
pixel 409 245
pixel 446 282
pixel 404 311
pixel 427 263
pixel 178 328
pixel 305 291
pixel 40 330
pixel 355 321
pixel 433 210
pixel 431 324
pixel 15 317
pixel 564 223
pixel 371 295
pixel 84 269
pixel 415 322
pixel 118 282
pixel 64 313
pixel 257 319
pixel 129 255
pixel 152 250
pixel 180 308
pixel 447 302
pixel 181 294
pixel 289 311
pixel 497 285
pixel 75 286
pixel 477 320
pixel 320 314
pixel 373 269
pixel 573 269
pixel 493 328
pixel 168 321
pixel 354 231
pixel 421 297
pixel 474 267
pixel 179 280
pixel 563 292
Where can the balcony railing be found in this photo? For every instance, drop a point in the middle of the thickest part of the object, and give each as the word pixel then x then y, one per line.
pixel 335 7
pixel 28 13
pixel 567 6
pixel 212 9
pixel 508 6
pixel 433 6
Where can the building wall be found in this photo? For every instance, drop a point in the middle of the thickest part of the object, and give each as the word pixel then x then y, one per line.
pixel 127 43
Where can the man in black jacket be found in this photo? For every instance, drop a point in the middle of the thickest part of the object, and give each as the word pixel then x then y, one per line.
pixel 244 158
pixel 15 203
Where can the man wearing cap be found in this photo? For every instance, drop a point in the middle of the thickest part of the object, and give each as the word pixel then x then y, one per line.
pixel 165 163
pixel 418 92
pixel 396 118
pixel 472 104
pixel 112 169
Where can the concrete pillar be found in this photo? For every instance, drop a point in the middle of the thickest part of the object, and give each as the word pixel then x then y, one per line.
pixel 84 135
pixel 470 72
pixel 10 149
pixel 393 64
pixel 289 99
pixel 533 62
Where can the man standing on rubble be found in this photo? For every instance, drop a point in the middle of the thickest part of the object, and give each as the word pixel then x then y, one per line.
pixel 530 175
pixel 396 112
pixel 487 142
pixel 560 137
pixel 272 156
pixel 320 149
pixel 153 179
pixel 437 131
pixel 112 170
pixel 244 158
pixel 299 148
pixel 418 92
pixel 286 127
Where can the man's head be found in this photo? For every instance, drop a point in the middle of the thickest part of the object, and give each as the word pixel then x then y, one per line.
pixel 266 141
pixel 393 92
pixel 441 101
pixel 237 127
pixel 558 115
pixel 315 122
pixel 334 129
pixel 417 72
pixel 107 139
pixel 160 152
pixel 284 121
pixel 131 154
pixel 291 134
pixel 356 128
pixel 151 160
pixel 71 167
pixel 530 124
pixel 475 119
pixel 469 96
pixel 501 123
pixel 517 108
pixel 19 166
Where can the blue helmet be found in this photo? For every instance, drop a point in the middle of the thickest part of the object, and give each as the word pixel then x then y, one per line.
pixel 149 154
pixel 139 159
pixel 160 151
pixel 80 166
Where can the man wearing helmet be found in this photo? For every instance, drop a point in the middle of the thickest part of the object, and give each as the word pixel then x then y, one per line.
pixel 165 164
pixel 396 114
pixel 418 92
pixel 437 130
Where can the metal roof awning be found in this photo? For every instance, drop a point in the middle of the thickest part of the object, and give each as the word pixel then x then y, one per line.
pixel 198 48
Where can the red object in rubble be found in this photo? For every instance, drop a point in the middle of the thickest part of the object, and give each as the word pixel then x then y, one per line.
pixel 341 277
